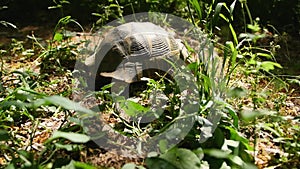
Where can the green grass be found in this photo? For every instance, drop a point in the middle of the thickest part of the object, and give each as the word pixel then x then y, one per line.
pixel 40 127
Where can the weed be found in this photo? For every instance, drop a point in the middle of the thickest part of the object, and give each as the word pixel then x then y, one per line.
pixel 236 90
pixel 60 53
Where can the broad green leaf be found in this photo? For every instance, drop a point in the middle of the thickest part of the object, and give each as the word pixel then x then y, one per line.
pixel 4 136
pixel 237 160
pixel 193 66
pixel 159 163
pixel 64 103
pixel 132 166
pixel 232 6
pixel 163 145
pixel 230 143
pixel 81 165
pixel 77 165
pixel 129 166
pixel 108 86
pixel 266 55
pixel 68 147
pixel 249 166
pixel 73 137
pixel 234 115
pixel 217 153
pixel 225 166
pixel 6 104
pixel 173 133
pixel 132 108
pixel 235 135
pixel 10 166
pixel 182 158
pixel 58 37
pixel 199 152
pixel 268 65
pixel 254 27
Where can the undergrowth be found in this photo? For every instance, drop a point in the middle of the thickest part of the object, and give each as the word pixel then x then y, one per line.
pixel 40 127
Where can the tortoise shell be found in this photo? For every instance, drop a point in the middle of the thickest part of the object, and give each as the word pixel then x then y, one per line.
pixel 133 50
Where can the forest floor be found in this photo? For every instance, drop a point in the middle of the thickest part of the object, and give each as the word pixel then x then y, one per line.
pixel 267 153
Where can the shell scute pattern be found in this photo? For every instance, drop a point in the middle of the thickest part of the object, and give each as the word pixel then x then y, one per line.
pixel 138 43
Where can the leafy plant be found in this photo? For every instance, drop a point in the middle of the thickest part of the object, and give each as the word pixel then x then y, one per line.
pixel 181 158
pixel 234 90
pixel 61 52
pixel 59 141
pixel 59 5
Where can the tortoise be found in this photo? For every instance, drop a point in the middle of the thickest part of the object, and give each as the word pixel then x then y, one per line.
pixel 134 50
